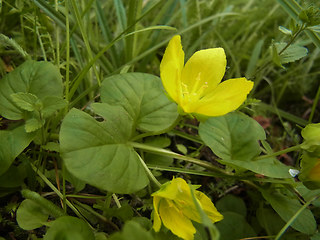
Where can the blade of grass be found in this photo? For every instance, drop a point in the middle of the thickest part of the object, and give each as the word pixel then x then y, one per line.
pixel 134 10
pixel 164 42
pixel 105 30
pixel 58 18
pixel 294 217
pixel 90 63
pixel 85 37
pixel 284 114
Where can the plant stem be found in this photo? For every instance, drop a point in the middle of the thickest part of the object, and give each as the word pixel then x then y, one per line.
pixel 168 153
pixel 46 180
pixel 147 134
pixel 302 27
pixel 290 149
pixel 67 95
pixel 294 217
pixel 314 105
pixel 151 176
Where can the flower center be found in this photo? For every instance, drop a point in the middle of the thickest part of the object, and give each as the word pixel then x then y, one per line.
pixel 194 92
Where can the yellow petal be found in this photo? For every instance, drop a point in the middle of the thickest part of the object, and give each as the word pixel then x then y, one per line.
pixel 204 70
pixel 190 209
pixel 156 217
pixel 208 207
pixel 226 97
pixel 171 67
pixel 177 188
pixel 314 174
pixel 174 220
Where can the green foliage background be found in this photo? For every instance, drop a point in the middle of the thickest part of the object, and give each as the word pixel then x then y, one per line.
pixel 62 102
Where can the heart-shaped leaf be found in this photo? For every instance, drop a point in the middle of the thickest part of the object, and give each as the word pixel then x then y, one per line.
pixel 69 228
pixel 97 152
pixel 143 97
pixel 270 167
pixel 12 143
pixel 39 79
pixel 232 136
pixel 286 207
pixel 31 215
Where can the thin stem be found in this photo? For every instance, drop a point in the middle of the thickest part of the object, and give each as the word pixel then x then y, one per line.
pixel 64 199
pixel 115 198
pixel 314 105
pixel 147 134
pixel 294 217
pixel 168 153
pixel 67 83
pixel 151 176
pixel 85 196
pixel 290 149
pixel 302 27
pixel 46 180
pixel 57 36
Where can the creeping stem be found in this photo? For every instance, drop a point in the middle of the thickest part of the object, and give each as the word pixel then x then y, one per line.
pixel 290 149
pixel 168 153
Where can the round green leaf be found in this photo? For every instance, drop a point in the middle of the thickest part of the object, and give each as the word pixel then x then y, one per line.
pixel 69 228
pixel 41 79
pixel 132 230
pixel 234 227
pixel 232 136
pixel 286 207
pixel 143 97
pixel 12 143
pixel 97 153
pixel 31 215
pixel 270 167
pixel 231 203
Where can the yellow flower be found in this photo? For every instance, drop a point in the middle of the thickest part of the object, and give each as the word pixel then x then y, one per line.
pixel 196 86
pixel 174 207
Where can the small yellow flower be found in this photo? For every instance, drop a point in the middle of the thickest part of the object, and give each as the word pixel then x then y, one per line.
pixel 174 207
pixel 196 86
pixel 310 170
pixel 314 174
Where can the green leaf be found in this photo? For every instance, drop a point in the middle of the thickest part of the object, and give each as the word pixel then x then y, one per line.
pixel 69 228
pixel 231 203
pixel 234 227
pixel 124 213
pixel 12 143
pixel 232 136
pixel 286 207
pixel 293 53
pixel 132 230
pixel 13 177
pixel 270 167
pixel 143 97
pixel 275 55
pixel 269 220
pixel 41 79
pixel 52 104
pixel 97 153
pixel 33 124
pixel 26 101
pixel 31 215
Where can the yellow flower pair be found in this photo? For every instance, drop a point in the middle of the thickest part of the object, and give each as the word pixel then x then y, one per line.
pixel 175 208
pixel 196 86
